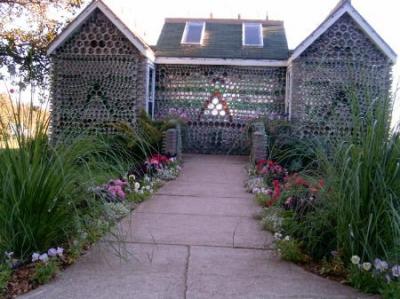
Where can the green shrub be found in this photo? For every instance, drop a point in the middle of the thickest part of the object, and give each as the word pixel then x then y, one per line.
pixel 272 219
pixel 45 271
pixel 316 229
pixel 5 275
pixel 359 210
pixel 391 291
pixel 43 187
pixel 290 250
pixel 365 280
pixel 365 175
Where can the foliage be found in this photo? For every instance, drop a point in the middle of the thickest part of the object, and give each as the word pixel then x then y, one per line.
pixel 134 144
pixel 364 173
pixel 374 277
pixel 5 274
pixel 45 271
pixel 290 249
pixel 365 280
pixel 391 291
pixel 43 185
pixel 333 266
pixel 272 219
pixel 287 148
pixel 23 45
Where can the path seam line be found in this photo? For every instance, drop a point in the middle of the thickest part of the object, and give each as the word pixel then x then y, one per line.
pixel 194 214
pixel 187 272
pixel 269 248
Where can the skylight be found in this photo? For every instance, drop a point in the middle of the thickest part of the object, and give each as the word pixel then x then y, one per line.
pixel 252 35
pixel 193 33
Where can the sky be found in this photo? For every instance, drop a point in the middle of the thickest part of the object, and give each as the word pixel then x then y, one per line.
pixel 300 17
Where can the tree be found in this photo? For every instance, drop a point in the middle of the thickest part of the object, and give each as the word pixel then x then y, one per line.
pixel 26 29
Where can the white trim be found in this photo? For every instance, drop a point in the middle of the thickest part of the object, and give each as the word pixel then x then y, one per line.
pixel 149 66
pixel 220 61
pixel 185 33
pixel 72 27
pixel 260 33
pixel 346 8
pixel 288 91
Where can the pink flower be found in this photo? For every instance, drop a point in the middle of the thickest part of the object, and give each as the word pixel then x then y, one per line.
pixel 116 191
pixel 120 183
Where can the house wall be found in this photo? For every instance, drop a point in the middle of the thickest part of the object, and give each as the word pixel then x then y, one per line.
pixel 248 92
pixel 97 80
pixel 342 61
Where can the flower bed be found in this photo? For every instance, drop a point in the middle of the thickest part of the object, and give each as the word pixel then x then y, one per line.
pixel 292 205
pixel 111 202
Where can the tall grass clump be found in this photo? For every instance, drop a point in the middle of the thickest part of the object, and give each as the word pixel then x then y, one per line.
pixel 42 183
pixel 365 174
pixel 359 208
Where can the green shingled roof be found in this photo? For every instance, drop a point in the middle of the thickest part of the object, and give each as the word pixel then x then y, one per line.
pixel 222 40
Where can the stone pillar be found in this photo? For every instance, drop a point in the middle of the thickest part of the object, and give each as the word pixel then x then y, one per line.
pixel 259 146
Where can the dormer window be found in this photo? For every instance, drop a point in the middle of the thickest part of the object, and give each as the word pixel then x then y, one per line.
pixel 193 34
pixel 252 35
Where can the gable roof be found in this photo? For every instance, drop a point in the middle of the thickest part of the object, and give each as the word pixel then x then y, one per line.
pixel 222 40
pixel 133 37
pixel 342 8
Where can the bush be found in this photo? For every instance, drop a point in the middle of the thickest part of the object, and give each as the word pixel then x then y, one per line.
pixel 5 275
pixel 290 250
pixel 364 173
pixel 45 271
pixel 43 186
pixel 359 206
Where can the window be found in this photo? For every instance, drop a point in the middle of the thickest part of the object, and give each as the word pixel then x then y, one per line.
pixel 193 33
pixel 252 35
pixel 150 93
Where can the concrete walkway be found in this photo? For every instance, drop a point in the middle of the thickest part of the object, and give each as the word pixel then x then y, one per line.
pixel 196 238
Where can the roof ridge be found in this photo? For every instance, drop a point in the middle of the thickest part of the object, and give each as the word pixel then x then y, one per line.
pixel 224 20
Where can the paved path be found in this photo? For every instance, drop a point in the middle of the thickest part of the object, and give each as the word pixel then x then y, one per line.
pixel 196 238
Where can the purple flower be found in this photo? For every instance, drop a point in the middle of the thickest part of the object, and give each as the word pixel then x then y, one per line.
pixel 396 271
pixel 60 251
pixel 52 252
pixel 380 265
pixel 44 257
pixel 35 257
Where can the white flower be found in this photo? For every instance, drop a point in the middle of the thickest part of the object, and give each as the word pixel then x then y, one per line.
pixel 9 254
pixel 60 251
pixel 355 260
pixel 151 190
pixel 278 236
pixel 380 265
pixel 44 257
pixel 52 252
pixel 132 177
pixel 35 257
pixel 396 271
pixel 367 266
pixel 137 186
pixel 147 187
pixel 287 238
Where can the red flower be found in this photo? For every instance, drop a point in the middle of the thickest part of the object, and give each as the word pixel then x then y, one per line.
pixel 275 194
pixel 158 159
pixel 321 183
pixel 300 181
